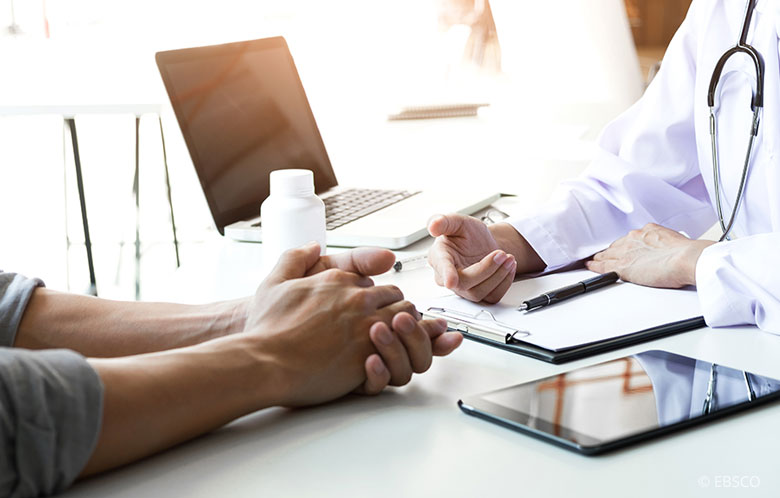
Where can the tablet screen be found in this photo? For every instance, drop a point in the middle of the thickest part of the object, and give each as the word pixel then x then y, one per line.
pixel 596 406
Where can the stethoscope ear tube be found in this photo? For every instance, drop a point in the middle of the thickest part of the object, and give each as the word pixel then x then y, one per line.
pixel 758 97
pixel 741 47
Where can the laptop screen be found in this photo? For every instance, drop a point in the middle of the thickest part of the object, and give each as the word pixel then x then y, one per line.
pixel 243 113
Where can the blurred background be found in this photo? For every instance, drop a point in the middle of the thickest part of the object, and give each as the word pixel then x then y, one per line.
pixel 553 73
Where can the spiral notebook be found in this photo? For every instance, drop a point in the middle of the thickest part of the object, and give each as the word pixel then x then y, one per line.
pixel 436 111
pixel 615 316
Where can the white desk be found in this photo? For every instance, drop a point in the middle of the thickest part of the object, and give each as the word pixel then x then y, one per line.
pixel 414 441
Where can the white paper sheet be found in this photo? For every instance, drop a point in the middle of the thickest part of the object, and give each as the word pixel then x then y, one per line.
pixel 608 312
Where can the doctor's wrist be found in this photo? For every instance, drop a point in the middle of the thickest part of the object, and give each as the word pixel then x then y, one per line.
pixel 512 242
pixel 690 258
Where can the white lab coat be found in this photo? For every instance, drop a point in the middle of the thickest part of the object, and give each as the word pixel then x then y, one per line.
pixel 654 165
pixel 681 388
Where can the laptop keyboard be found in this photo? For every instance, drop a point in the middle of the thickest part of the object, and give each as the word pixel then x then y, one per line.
pixel 356 203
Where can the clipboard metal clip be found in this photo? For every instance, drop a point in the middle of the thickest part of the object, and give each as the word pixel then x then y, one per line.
pixel 482 324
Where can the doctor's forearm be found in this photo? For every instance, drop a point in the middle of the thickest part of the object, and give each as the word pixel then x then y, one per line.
pixel 103 328
pixel 512 242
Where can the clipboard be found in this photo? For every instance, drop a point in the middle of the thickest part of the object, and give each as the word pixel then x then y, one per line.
pixel 607 319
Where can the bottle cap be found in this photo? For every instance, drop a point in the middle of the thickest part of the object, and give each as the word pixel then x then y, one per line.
pixel 295 182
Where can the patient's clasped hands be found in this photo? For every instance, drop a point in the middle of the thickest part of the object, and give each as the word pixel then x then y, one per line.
pixel 328 330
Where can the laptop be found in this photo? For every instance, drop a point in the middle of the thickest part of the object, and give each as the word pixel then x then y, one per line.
pixel 243 113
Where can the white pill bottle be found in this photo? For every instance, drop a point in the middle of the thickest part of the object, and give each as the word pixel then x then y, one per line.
pixel 292 215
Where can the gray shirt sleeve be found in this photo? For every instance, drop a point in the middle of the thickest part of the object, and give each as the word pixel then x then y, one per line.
pixel 50 406
pixel 15 293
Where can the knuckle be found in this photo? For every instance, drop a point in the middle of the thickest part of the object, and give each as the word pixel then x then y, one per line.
pixel 360 299
pixel 334 275
pixel 373 318
pixel 408 307
pixel 294 253
pixel 396 291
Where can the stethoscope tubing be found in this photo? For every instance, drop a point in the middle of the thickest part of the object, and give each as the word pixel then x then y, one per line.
pixel 757 104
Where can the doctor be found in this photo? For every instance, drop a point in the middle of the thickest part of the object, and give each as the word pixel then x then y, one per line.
pixel 658 172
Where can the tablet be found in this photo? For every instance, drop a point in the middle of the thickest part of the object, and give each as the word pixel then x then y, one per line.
pixel 602 407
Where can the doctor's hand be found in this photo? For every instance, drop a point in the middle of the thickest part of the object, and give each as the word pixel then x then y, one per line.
pixel 654 256
pixel 475 261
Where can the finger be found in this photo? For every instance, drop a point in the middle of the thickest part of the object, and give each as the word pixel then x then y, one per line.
pixel 345 278
pixel 416 341
pixel 480 291
pixel 496 294
pixel 387 313
pixel 363 261
pixel 377 376
pixel 450 224
pixel 393 353
pixel 597 266
pixel 383 295
pixel 443 265
pixel 446 343
pixel 618 242
pixel 434 327
pixel 482 270
pixel 294 263
pixel 442 342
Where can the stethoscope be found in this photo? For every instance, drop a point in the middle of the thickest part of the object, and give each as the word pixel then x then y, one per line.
pixel 756 104
pixel 712 385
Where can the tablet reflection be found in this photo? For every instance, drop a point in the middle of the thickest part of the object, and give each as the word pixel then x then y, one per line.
pixel 631 395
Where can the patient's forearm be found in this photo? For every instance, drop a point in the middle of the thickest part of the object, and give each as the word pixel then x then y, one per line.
pixel 103 328
pixel 155 401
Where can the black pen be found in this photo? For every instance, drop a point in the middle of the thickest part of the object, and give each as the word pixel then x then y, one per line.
pixel 564 293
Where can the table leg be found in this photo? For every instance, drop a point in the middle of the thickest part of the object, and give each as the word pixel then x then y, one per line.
pixel 66 131
pixel 136 192
pixel 71 122
pixel 168 185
